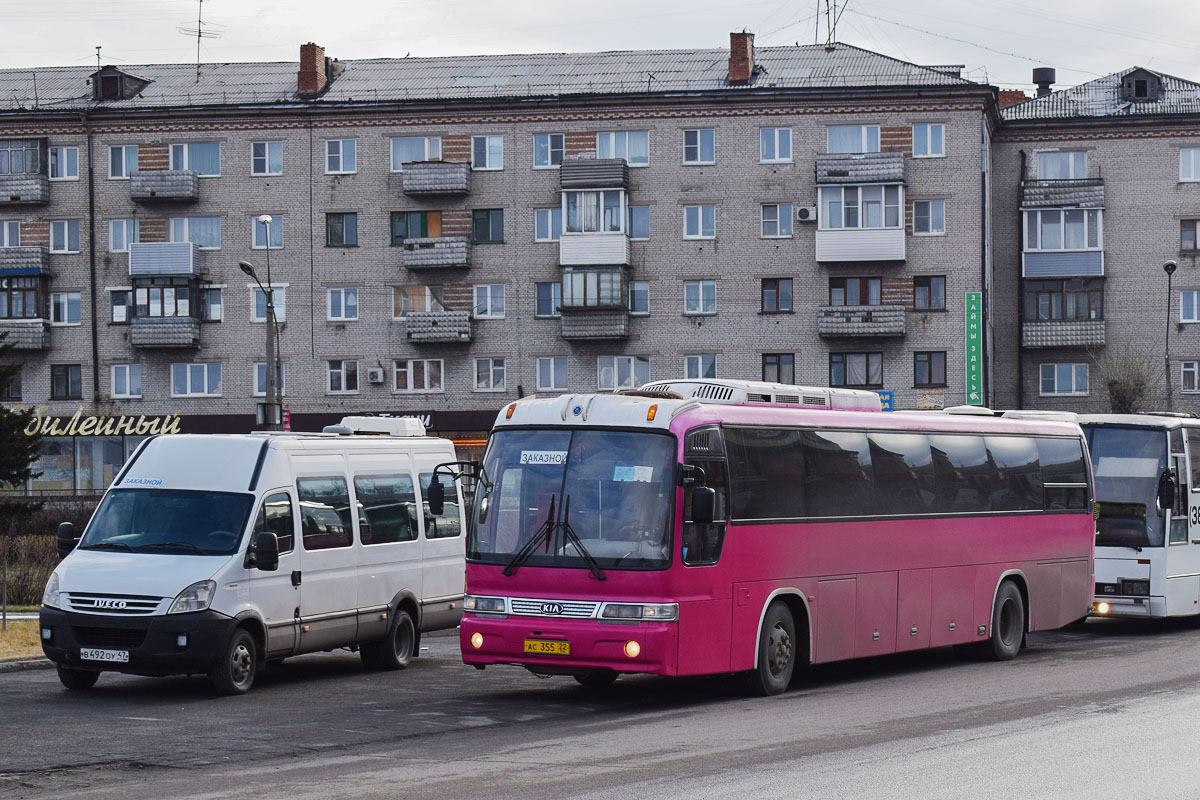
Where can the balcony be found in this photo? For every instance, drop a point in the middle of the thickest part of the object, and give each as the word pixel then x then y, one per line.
pixel 164 332
pixel 1063 333
pixel 587 249
pixel 841 168
pixel 424 178
pixel 442 251
pixel 594 323
pixel 26 334
pixel 24 190
pixel 164 258
pixel 594 173
pixel 164 186
pixel 437 326
pixel 24 260
pixel 1081 193
pixel 855 321
pixel 861 244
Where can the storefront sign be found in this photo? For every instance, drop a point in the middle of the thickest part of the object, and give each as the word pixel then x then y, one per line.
pixel 886 397
pixel 100 425
pixel 974 351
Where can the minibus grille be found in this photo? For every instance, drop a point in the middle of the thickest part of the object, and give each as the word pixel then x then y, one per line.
pixel 125 605
pixel 571 609
pixel 124 638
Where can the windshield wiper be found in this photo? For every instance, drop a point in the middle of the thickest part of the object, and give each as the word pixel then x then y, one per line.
pixel 541 535
pixel 191 548
pixel 107 546
pixel 569 534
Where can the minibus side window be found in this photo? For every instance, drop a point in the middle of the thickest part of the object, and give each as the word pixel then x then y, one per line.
pixel 325 512
pixel 275 516
pixel 446 524
pixel 386 508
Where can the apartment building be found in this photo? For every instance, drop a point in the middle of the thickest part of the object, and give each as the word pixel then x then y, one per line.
pixel 449 234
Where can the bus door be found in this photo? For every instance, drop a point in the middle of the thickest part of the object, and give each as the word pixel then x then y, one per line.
pixel 1183 532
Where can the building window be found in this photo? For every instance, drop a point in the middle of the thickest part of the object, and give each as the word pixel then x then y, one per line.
pixel 275 226
pixel 929 368
pixel 64 163
pixel 407 299
pixel 1189 306
pixel 120 305
pixel 860 207
pixel 776 295
pixel 64 308
pixel 202 158
pixel 487 152
pixel 415 225
pixel 699 297
pixel 699 146
pixel 549 299
pixel 1189 164
pixel 342 303
pixel 126 380
pixel 779 368
pixel 341 156
pixel 260 378
pixel 1187 234
pixel 205 232
pixel 489 374
pixel 1069 299
pixel 11 393
pixel 122 160
pixel 594 288
pixel 65 382
pixel 776 220
pixel 547 150
pixel 621 372
pixel 10 233
pixel 1061 166
pixel 210 311
pixel 487 225
pixel 639 222
pixel 633 146
pixel 258 306
pixel 855 291
pixel 552 374
pixel 266 158
pixel 853 139
pixel 1189 381
pixel 417 375
pixel 861 370
pixel 703 365
pixel 775 145
pixel 489 301
pixel 341 229
pixel 20 297
pixel 64 236
pixel 120 233
pixel 639 297
pixel 547 224
pixel 929 140
pixel 593 212
pixel 929 292
pixel 196 380
pixel 1064 379
pixel 343 377
pixel 700 222
pixel 929 217
pixel 20 157
pixel 407 149
pixel 162 297
pixel 1063 229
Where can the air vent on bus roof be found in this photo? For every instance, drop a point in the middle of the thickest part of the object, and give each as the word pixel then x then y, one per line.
pixel 755 397
pixel 787 398
pixel 710 392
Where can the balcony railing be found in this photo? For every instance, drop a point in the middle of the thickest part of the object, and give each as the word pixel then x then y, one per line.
pixel 845 168
pixel 24 190
pixel 164 186
pixel 853 321
pixel 164 332
pixel 1063 333
pixel 436 178
pixel 26 334
pixel 586 249
pixel 594 173
pixel 26 259
pixel 1077 193
pixel 164 258
pixel 437 326
pixel 861 244
pixel 442 251
pixel 584 322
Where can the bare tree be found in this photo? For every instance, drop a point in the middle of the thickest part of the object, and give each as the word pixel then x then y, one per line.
pixel 1131 377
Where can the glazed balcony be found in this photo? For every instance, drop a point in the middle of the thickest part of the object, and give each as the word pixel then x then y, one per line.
pixel 164 258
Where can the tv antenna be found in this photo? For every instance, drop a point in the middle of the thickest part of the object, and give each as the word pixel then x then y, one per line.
pixel 200 33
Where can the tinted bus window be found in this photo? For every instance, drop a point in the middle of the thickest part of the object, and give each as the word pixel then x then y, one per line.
pixel 904 477
pixel 962 473
pixel 444 525
pixel 1062 464
pixel 766 468
pixel 386 508
pixel 1017 483
pixel 325 512
pixel 837 469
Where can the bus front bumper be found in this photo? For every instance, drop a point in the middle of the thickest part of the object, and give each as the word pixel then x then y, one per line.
pixel 1106 606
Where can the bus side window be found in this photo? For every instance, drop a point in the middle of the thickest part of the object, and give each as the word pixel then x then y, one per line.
pixel 1193 442
pixel 702 543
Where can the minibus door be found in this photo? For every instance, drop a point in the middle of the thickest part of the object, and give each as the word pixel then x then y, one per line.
pixel 276 593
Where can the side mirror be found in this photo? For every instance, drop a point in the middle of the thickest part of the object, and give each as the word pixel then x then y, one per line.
pixel 1166 492
pixel 266 552
pixel 704 503
pixel 435 495
pixel 66 538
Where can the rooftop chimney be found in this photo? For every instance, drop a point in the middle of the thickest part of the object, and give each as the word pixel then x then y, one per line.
pixel 1011 97
pixel 312 77
pixel 741 57
pixel 1043 77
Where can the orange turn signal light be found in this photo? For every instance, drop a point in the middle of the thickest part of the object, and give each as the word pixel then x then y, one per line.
pixel 511 408
pixel 651 413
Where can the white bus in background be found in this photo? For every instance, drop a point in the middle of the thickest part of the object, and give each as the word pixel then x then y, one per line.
pixel 219 554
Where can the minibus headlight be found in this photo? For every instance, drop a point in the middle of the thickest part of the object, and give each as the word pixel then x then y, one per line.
pixel 666 612
pixel 194 598
pixel 487 605
pixel 50 597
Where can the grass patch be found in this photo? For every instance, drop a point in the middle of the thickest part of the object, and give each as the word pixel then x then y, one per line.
pixel 20 641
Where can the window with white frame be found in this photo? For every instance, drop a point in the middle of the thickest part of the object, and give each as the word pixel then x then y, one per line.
pixel 639 297
pixel 1064 229
pixel 1189 306
pixel 341 156
pixel 1189 164
pixel 775 145
pixel 700 222
pixel 258 305
pixel 929 140
pixel 487 152
pixel 204 232
pixel 266 158
pixel 489 374
pixel 852 139
pixel 343 377
pixel 776 220
pixel 1063 379
pixel 594 211
pixel 202 158
pixel 547 224
pixel 1062 165
pixel 417 375
pixel 196 380
pixel 64 236
pixel 703 365
pixel 699 146
pixel 621 372
pixel 850 207
pixel 489 301
pixel 126 380
pixel 260 378
pixel 10 233
pixel 929 217
pixel 548 149
pixel 342 303
pixel 549 299
pixel 407 149
pixel 407 299
pixel 260 232
pixel 633 146
pixel 593 288
pixel 122 160
pixel 120 303
pixel 64 308
pixel 699 297
pixel 552 374
pixel 121 232
pixel 1189 381
pixel 639 222
pixel 64 163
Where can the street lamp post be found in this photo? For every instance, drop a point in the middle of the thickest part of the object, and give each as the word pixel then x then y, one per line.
pixel 273 408
pixel 1168 268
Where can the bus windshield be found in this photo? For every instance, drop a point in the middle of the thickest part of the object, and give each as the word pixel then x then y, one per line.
pixel 613 489
pixel 1127 463
pixel 169 521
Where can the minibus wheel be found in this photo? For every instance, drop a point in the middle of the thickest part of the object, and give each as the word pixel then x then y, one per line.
pixel 235 670
pixel 77 679
pixel 776 652
pixel 1008 624
pixel 395 651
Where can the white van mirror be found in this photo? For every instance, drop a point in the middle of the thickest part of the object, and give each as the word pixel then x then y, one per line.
pixel 66 538
pixel 435 495
pixel 266 552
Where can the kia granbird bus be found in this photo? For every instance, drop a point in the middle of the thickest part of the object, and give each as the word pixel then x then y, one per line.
pixel 707 527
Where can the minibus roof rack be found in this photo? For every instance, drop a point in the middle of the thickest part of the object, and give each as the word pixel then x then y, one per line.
pixel 377 426
pixel 1180 414
pixel 742 392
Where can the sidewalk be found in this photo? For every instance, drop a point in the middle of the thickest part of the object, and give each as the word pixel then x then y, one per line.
pixel 21 666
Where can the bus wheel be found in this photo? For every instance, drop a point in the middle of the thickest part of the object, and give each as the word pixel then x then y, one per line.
pixel 598 680
pixel 1008 624
pixel 776 652
pixel 397 648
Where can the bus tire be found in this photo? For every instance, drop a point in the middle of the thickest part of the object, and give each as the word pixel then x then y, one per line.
pixel 77 680
pixel 235 670
pixel 396 649
pixel 1008 624
pixel 777 648
pixel 598 680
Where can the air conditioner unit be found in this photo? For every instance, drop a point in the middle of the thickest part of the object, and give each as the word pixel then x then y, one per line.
pixel 374 375
pixel 806 213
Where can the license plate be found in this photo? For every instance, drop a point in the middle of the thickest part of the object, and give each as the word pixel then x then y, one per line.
pixel 92 654
pixel 548 647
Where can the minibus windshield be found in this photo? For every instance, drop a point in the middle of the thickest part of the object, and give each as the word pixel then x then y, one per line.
pixel 169 521
pixel 1127 463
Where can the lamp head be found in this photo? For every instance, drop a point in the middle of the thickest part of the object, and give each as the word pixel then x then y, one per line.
pixel 1170 267
pixel 265 219
pixel 247 268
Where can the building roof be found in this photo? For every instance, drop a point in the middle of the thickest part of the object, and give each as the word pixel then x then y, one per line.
pixel 477 78
pixel 1102 98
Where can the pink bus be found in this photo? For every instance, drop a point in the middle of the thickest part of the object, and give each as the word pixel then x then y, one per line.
pixel 726 531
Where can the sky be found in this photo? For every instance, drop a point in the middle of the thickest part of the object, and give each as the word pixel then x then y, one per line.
pixel 998 41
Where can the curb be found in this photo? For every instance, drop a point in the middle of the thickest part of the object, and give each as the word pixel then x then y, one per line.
pixel 22 666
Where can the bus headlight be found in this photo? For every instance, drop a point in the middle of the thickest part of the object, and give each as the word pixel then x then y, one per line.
pixel 196 597
pixel 486 605
pixel 665 612
pixel 1101 608
pixel 50 597
pixel 477 640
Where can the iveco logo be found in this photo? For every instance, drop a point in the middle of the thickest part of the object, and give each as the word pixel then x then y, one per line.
pixel 110 604
pixel 552 608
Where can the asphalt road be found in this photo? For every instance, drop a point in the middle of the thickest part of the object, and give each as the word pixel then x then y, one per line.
pixel 1108 710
